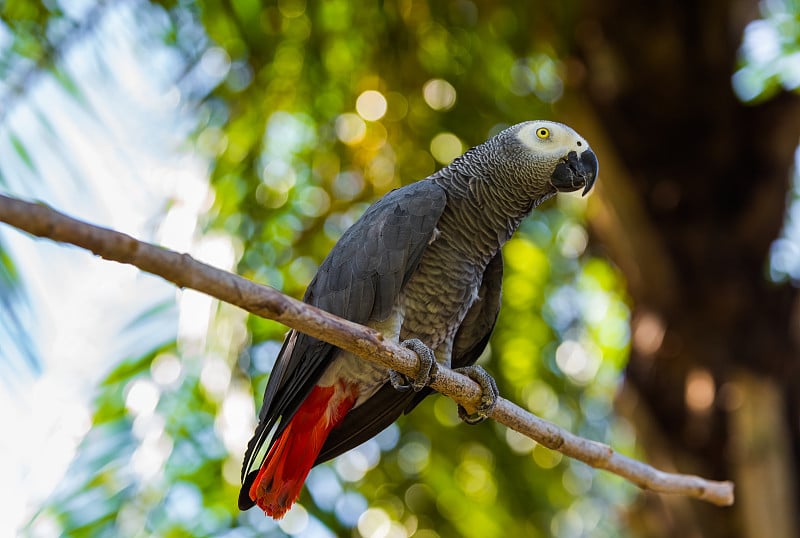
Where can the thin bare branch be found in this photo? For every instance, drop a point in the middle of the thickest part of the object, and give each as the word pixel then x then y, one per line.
pixel 186 272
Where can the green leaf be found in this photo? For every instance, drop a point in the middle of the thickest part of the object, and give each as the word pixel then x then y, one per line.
pixel 22 152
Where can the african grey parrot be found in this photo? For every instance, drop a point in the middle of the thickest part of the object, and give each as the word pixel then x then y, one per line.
pixel 423 266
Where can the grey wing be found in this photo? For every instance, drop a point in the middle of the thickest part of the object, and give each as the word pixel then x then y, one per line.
pixel 386 405
pixel 359 280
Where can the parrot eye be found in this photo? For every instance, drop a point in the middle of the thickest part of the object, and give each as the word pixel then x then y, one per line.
pixel 543 133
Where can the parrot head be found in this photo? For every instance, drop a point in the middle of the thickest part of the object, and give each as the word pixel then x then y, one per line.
pixel 569 163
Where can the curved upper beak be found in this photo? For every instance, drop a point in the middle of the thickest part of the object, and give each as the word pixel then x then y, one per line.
pixel 575 172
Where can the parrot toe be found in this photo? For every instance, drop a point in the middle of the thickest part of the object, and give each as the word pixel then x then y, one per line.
pixel 427 368
pixel 489 394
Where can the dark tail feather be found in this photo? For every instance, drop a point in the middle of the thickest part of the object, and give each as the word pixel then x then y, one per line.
pixel 245 502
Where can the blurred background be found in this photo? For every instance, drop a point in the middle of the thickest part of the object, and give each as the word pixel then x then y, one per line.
pixel 660 315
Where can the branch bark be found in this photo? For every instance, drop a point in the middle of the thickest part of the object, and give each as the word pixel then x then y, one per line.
pixel 186 272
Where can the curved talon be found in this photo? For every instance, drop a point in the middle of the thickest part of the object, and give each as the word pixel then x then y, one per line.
pixel 489 394
pixel 427 368
pixel 399 381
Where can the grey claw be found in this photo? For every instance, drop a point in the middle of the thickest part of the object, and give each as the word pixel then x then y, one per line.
pixel 489 394
pixel 399 381
pixel 427 368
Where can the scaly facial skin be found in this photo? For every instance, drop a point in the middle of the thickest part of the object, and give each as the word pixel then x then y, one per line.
pixel 576 163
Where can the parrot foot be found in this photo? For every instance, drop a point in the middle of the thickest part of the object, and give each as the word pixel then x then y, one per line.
pixel 489 394
pixel 427 368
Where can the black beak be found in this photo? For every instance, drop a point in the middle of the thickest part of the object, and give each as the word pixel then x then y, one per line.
pixel 575 172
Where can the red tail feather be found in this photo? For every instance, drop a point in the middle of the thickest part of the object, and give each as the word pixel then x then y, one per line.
pixel 291 457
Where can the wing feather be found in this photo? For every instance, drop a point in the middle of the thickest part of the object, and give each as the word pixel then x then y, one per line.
pixel 386 405
pixel 360 280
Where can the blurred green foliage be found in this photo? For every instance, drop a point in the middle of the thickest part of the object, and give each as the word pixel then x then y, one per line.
pixel 769 63
pixel 769 59
pixel 321 108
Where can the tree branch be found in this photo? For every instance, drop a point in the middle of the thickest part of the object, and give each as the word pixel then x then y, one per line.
pixel 186 272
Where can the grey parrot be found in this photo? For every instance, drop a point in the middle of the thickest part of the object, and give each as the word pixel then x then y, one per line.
pixel 422 265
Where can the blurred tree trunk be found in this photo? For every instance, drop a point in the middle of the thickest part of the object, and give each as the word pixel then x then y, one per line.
pixel 693 190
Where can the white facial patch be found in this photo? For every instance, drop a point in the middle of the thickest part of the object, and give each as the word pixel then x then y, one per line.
pixel 550 138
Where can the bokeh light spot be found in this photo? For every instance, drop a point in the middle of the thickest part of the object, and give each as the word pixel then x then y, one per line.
pixel 347 185
pixel 546 458
pixel 142 397
pixel 292 8
pixel 413 457
pixel 648 333
pixel 574 240
pixel 577 479
pixel 381 171
pixel 295 521
pixel 376 523
pixel 350 128
pixel 349 508
pixel 540 398
pixel 313 202
pixel 521 444
pixel 439 94
pixel 475 480
pixel 279 176
pixel 215 62
pixel 700 390
pixel 371 105
pixel 165 369
pixel 445 147
pixel 575 360
pixel 215 376
pixel 352 466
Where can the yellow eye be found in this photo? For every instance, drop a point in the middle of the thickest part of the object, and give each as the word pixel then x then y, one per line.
pixel 543 133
